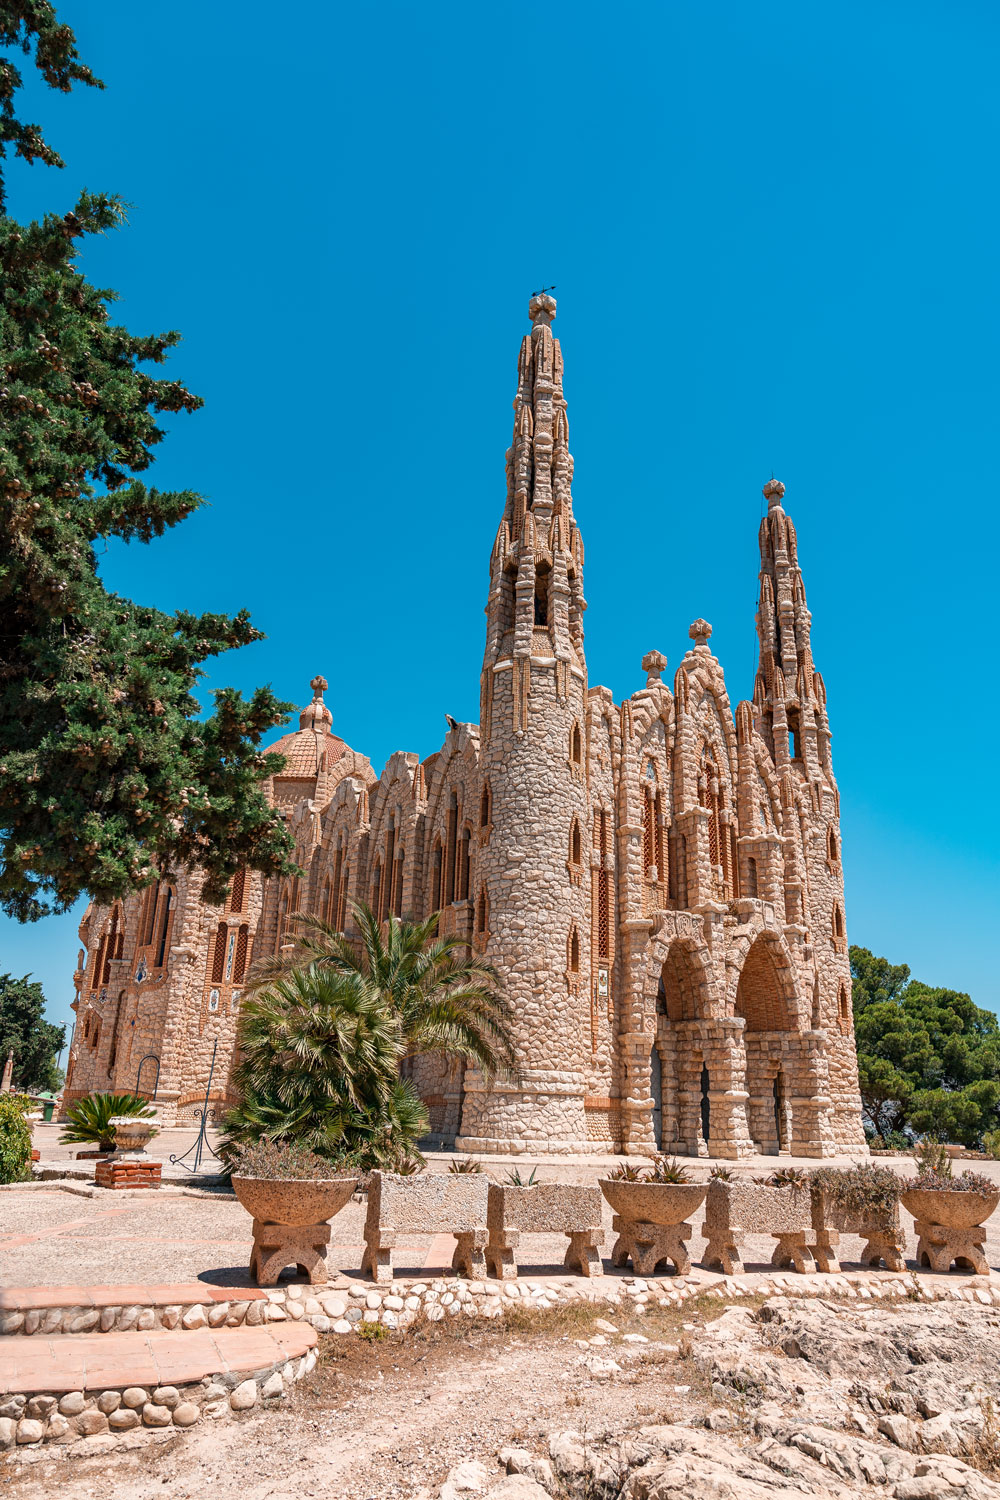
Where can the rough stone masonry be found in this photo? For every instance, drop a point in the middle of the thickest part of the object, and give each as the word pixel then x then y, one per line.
pixel 658 882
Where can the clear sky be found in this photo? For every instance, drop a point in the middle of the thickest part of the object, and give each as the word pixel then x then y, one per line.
pixel 773 234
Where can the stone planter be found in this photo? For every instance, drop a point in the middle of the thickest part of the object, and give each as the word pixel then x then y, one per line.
pixel 290 1223
pixel 949 1227
pixel 132 1132
pixel 545 1208
pixel 882 1233
pixel 735 1209
pixel 650 1222
pixel 455 1204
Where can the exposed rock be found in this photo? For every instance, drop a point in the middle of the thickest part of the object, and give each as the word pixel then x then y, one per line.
pixel 244 1396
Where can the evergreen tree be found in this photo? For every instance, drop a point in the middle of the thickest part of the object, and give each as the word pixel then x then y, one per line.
pixel 106 772
pixel 34 1041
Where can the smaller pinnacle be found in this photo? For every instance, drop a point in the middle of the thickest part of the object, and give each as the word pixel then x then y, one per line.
pixel 319 686
pixel 700 632
pixel 654 663
pixel 541 310
pixel 773 493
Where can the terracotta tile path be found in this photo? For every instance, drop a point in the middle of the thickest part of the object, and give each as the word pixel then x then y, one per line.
pixel 77 1362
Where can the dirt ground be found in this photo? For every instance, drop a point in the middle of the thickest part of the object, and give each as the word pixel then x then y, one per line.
pixel 388 1419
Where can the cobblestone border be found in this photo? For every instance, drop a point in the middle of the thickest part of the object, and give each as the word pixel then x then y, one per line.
pixel 80 1419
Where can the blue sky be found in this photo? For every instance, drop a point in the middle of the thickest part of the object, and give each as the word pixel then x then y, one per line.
pixel 772 231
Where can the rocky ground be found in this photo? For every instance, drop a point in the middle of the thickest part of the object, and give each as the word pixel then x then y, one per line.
pixel 784 1399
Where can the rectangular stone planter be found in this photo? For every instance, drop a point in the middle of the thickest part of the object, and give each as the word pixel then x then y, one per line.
pixel 882 1232
pixel 545 1208
pixel 734 1210
pixel 456 1204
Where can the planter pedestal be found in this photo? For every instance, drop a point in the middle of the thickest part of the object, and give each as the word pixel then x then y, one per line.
pixel 651 1245
pixel 276 1246
pixel 938 1246
pixel 792 1250
pixel 468 1260
pixel 880 1245
pixel 583 1253
pixel 724 1248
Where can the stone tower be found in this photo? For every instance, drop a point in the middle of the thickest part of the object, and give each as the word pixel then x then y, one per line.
pixel 789 711
pixel 534 824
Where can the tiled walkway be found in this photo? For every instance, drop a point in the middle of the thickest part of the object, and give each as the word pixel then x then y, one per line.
pixel 77 1362
pixel 28 1298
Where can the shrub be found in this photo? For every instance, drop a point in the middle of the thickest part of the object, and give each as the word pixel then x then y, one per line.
pixel 932 1158
pixel 945 1182
pixel 866 1190
pixel 15 1139
pixel 991 1144
pixel 90 1118
pixel 280 1160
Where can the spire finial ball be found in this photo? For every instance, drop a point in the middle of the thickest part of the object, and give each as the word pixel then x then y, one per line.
pixel 700 632
pixel 319 686
pixel 773 492
pixel 541 310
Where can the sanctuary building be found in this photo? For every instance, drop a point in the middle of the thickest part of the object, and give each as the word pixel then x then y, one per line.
pixel 658 882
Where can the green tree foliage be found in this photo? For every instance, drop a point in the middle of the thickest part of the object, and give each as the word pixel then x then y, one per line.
pixel 24 23
pixel 24 1031
pixel 928 1058
pixel 443 1000
pixel 106 772
pixel 319 1067
pixel 89 1118
pixel 15 1139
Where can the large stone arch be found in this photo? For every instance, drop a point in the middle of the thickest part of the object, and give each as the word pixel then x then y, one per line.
pixel 681 1053
pixel 776 1066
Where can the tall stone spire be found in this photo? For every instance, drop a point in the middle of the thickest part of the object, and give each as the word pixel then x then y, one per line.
pixel 533 748
pixel 789 694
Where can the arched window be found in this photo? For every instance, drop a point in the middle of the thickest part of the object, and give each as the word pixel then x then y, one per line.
pixel 282 923
pixel 751 877
pixel 831 846
pixel 452 850
pixel 575 745
pixel 603 934
pixel 482 910
pixel 238 890
pixel 485 806
pixel 147 922
pixel 163 923
pixel 242 942
pixel 376 889
pixel 397 883
pixel 844 1009
pixel 711 795
pixel 575 843
pixel 573 950
pixel 541 596
pixel 437 875
pixel 464 843
pixel 838 922
pixel 219 953
pixel 342 902
pixel 648 842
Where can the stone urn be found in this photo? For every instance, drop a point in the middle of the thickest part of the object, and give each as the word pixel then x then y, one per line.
pixel 292 1200
pixel 664 1203
pixel 132 1133
pixel 651 1222
pixel 957 1209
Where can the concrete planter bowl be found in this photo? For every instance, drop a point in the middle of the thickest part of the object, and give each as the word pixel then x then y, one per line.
pixel 954 1210
pixel 133 1132
pixel 664 1203
pixel 293 1201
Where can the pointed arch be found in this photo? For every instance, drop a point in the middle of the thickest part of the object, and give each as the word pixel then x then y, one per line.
pixel 576 744
pixel 219 953
pixel 237 891
pixel 573 950
pixel 482 911
pixel 844 1007
pixel 575 843
pixel 681 993
pixel 762 992
pixel 486 805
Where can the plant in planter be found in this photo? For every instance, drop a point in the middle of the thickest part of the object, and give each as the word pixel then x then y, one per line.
pixel 651 1209
pixel 292 1194
pixel 463 1165
pixel 90 1119
pixel 863 1199
pixel 517 1207
pixel 778 1204
pixel 949 1214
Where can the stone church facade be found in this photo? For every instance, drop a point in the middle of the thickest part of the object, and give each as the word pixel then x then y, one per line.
pixel 658 882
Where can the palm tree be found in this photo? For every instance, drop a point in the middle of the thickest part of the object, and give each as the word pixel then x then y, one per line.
pixel 443 999
pixel 319 1066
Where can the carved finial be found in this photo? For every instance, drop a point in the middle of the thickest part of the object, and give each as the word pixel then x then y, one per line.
pixel 653 664
pixel 774 493
pixel 316 715
pixel 541 310
pixel 700 632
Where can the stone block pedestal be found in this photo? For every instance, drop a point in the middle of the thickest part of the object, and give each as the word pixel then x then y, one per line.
pixel 939 1246
pixel 651 1245
pixel 127 1173
pixel 276 1246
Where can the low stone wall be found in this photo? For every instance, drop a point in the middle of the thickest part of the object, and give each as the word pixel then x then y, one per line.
pixel 29 1421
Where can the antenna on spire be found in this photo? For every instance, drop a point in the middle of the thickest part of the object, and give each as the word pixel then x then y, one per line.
pixel 543 289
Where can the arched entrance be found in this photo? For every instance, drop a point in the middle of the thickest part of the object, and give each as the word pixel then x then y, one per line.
pixel 763 1002
pixel 656 1090
pixel 679 1051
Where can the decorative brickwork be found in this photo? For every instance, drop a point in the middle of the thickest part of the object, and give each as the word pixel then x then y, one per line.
pixel 659 883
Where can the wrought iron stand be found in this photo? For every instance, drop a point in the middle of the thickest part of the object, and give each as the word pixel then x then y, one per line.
pixel 201 1145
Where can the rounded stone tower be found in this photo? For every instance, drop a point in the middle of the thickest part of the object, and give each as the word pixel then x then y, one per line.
pixel 532 902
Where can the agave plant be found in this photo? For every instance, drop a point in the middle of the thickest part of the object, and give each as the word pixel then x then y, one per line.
pixel 628 1172
pixel 463 1165
pixel 721 1174
pixel 516 1180
pixel 788 1177
pixel 90 1118
pixel 668 1169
